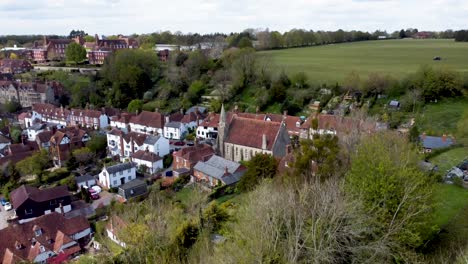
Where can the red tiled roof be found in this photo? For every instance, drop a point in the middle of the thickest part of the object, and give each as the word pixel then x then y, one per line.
pixel 146 156
pixel 249 132
pixel 21 235
pixel 150 119
pixel 195 153
pixel 138 138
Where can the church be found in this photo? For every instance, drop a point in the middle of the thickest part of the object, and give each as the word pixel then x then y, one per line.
pixel 240 138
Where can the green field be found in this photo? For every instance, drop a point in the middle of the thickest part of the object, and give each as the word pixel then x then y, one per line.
pixel 450 158
pixel 331 63
pixel 442 117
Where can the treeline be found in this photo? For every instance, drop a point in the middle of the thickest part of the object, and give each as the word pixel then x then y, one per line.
pixel 461 35
pixel 22 40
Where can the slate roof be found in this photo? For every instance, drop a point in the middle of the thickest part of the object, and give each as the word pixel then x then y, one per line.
pixel 151 140
pixel 84 178
pixel 120 167
pixel 216 167
pixel 430 142
pixel 24 192
pixel 173 124
pixel 37 126
pixel 132 184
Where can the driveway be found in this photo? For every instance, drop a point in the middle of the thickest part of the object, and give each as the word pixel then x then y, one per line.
pixel 3 217
pixel 105 200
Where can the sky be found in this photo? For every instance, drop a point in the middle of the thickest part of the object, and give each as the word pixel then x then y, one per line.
pixel 106 17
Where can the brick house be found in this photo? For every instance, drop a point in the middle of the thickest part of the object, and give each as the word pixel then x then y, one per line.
pixel 188 157
pixel 218 171
pixel 50 238
pixel 15 66
pixel 64 141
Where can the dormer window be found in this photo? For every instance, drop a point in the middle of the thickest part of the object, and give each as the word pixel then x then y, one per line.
pixel 42 249
pixel 38 232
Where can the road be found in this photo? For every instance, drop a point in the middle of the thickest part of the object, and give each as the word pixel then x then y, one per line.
pixel 3 217
pixel 105 200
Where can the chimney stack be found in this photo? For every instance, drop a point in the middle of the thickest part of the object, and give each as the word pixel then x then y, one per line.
pixel 423 136
pixel 156 110
pixel 226 171
pixel 167 119
pixel 264 141
pixel 182 111
pixel 444 137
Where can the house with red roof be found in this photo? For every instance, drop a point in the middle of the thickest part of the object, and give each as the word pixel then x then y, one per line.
pixel 64 141
pixel 186 158
pixel 151 123
pixel 51 238
pixel 15 66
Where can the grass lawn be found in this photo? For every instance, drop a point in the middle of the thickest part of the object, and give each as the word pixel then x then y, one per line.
pixel 450 201
pixel 442 117
pixel 332 63
pixel 451 158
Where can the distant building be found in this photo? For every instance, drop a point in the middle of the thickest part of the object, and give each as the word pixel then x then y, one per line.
pixel 430 143
pixel 29 93
pixel 100 49
pixel 15 66
pixel 64 141
pixel 133 189
pixel 189 156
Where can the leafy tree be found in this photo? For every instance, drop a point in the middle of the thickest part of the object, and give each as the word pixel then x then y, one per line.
pixel 83 155
pixel 299 80
pixel 89 38
pixel 318 156
pixel 16 135
pixel 129 72
pixel 181 58
pixel 195 91
pixel 261 166
pixel 135 106
pixel 244 42
pixel 76 33
pixel 33 165
pixel 97 144
pixel 214 215
pixel 13 56
pixel 75 53
pixel 402 34
pixel 396 196
pixel 278 92
pixel 12 106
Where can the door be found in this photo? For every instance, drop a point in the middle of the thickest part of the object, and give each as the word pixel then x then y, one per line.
pixel 122 180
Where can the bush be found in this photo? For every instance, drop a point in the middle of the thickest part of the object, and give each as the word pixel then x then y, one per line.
pixel 167 160
pixel 54 176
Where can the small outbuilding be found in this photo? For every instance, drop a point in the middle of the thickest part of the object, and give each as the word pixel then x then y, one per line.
pixel 85 180
pixel 133 188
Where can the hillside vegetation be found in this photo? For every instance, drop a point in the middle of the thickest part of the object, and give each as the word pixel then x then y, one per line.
pixel 331 63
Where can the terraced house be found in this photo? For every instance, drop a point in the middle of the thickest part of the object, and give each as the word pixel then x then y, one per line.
pixel 29 93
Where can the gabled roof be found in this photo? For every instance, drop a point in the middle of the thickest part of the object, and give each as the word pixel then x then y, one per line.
pixel 146 156
pixel 137 138
pixel 84 178
pixel 132 184
pixel 16 243
pixel 222 169
pixel 25 192
pixel 151 140
pixel 195 153
pixel 149 119
pixel 174 124
pixel 249 132
pixel 120 167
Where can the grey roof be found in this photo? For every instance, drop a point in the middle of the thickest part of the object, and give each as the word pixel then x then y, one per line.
pixel 132 184
pixel 394 103
pixel 84 178
pixel 120 167
pixel 216 166
pixel 182 170
pixel 37 126
pixel 151 140
pixel 435 142
pixel 173 124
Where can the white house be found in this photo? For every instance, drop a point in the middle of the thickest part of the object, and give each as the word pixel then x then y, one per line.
pixel 114 176
pixel 34 130
pixel 208 128
pixel 151 123
pixel 174 130
pixel 147 160
pixel 157 144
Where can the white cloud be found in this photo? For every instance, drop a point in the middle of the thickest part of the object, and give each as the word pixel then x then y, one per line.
pixel 140 16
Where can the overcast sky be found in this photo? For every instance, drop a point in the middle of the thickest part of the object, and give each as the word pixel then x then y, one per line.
pixel 205 16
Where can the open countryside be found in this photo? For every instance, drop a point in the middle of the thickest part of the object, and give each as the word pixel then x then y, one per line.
pixel 331 63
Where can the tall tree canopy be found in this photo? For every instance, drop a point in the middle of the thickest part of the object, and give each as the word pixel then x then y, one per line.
pixel 75 53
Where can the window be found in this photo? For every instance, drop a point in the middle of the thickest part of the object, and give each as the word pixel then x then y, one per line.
pixel 115 182
pixel 104 173
pixel 28 211
pixel 38 232
pixel 121 172
pixel 128 170
pixel 129 178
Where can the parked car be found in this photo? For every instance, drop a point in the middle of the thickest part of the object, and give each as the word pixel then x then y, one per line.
pixel 179 143
pixel 8 206
pixel 190 143
pixel 168 173
pixel 3 201
pixel 97 189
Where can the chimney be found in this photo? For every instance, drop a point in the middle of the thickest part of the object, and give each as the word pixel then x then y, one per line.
pixel 167 119
pixel 236 108
pixel 156 110
pixel 423 136
pixel 257 110
pixel 45 40
pixel 182 111
pixel 264 141
pixel 444 137
pixel 226 171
